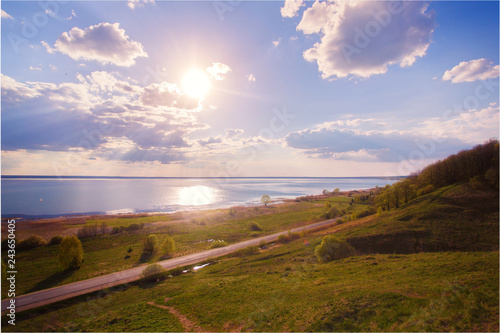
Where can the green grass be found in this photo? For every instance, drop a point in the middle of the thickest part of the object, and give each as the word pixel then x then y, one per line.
pixel 453 218
pixel 286 289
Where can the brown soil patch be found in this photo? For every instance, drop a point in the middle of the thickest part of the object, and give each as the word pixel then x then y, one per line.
pixel 189 326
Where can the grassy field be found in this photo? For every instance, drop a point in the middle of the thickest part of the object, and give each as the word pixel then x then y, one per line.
pixel 430 266
pixel 192 232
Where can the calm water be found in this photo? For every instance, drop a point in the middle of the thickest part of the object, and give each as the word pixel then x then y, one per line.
pixel 37 197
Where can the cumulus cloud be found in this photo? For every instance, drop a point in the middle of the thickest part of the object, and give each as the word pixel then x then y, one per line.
pixel 6 16
pixel 218 70
pixel 474 70
pixel 362 38
pixel 104 42
pixel 133 4
pixel 291 8
pixel 250 78
pixel 277 42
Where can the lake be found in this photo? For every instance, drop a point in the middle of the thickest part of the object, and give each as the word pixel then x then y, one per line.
pixel 46 196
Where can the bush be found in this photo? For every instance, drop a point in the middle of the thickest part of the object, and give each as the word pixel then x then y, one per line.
pixel 379 211
pixel 219 243
pixel 332 248
pixel 154 273
pixel 150 244
pixel 283 239
pixel 331 213
pixel 133 227
pixel 31 242
pixel 56 240
pixel 246 251
pixel 254 226
pixel 71 252
pixel 168 245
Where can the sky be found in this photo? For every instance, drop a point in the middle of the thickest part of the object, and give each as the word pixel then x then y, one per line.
pixel 245 88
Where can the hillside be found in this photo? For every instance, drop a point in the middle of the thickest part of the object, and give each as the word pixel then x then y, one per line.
pixel 452 218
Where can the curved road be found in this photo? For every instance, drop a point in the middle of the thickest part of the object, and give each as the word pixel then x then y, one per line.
pixel 52 295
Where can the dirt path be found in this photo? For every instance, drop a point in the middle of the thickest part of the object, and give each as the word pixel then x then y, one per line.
pixel 189 326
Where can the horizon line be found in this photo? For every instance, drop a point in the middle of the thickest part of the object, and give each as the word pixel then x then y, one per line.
pixel 184 177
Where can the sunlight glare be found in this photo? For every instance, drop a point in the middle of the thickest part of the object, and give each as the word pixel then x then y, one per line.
pixel 195 83
pixel 196 195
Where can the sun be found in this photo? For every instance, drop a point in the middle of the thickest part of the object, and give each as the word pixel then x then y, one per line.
pixel 196 83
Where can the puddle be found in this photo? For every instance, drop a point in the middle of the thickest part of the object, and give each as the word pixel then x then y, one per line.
pixel 195 268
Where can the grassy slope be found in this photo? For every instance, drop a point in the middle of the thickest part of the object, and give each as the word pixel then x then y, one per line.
pixel 453 218
pixel 284 288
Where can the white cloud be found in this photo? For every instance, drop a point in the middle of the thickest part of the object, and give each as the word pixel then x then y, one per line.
pixel 344 140
pixel 218 70
pixel 250 77
pixel 474 70
pixel 104 42
pixel 35 68
pixel 133 4
pixel 291 8
pixel 472 126
pixel 276 42
pixel 362 38
pixel 6 16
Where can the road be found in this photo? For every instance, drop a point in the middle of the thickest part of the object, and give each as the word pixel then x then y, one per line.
pixel 52 295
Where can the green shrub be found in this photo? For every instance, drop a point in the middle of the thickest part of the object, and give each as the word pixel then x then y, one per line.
pixel 332 248
pixel 331 213
pixel 283 239
pixel 254 226
pixel 380 211
pixel 31 242
pixel 56 240
pixel 154 273
pixel 133 227
pixel 115 230
pixel 150 244
pixel 218 243
pixel 245 251
pixel 71 252
pixel 168 245
pixel 262 245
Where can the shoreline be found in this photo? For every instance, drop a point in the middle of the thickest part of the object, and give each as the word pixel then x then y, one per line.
pixel 201 210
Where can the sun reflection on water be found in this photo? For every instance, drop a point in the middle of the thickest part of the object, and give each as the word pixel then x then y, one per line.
pixel 196 195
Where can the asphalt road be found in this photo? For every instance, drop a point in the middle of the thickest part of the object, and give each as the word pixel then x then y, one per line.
pixel 52 295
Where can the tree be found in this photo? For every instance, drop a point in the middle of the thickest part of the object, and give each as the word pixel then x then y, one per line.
pixel 337 190
pixel 150 244
pixel 265 199
pixel 103 227
pixel 71 252
pixel 168 245
pixel 326 192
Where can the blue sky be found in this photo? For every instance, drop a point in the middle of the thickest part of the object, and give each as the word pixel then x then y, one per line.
pixel 251 88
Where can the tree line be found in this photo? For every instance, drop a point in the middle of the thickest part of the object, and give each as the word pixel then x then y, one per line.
pixel 478 165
